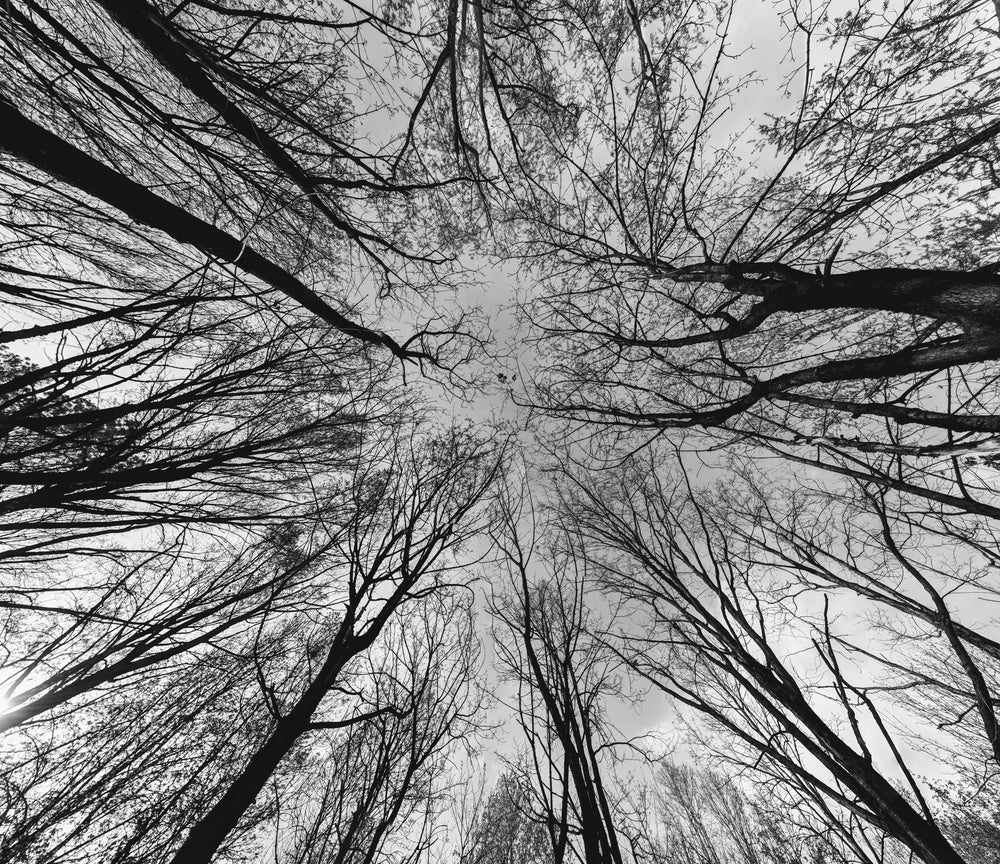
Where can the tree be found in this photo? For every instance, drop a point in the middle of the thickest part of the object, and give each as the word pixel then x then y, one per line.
pixel 563 677
pixel 771 278
pixel 711 638
pixel 151 609
pixel 431 505
pixel 921 575
pixel 969 816
pixel 232 131
pixel 143 531
pixel 505 829
pixel 295 667
pixel 237 603
pixel 377 793
pixel 709 817
pixel 189 228
pixel 215 495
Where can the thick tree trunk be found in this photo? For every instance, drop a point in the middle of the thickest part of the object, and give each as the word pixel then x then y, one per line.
pixel 972 300
pixel 921 835
pixel 856 773
pixel 29 142
pixel 969 298
pixel 207 836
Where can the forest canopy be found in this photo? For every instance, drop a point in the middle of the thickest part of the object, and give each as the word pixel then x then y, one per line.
pixel 536 431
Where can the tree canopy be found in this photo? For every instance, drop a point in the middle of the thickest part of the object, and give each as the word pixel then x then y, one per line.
pixel 535 431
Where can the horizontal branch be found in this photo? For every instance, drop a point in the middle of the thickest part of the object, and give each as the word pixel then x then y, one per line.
pixel 358 718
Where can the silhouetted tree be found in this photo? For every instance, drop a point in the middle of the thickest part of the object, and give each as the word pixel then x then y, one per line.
pixel 563 676
pixel 709 632
pixel 779 256
pixel 309 660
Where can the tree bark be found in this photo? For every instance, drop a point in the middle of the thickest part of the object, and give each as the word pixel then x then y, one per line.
pixel 207 836
pixel 29 142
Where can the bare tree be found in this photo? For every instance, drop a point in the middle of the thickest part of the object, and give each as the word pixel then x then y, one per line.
pixel 922 576
pixel 377 790
pixel 291 674
pixel 706 816
pixel 564 676
pixel 233 132
pixel 128 545
pixel 235 612
pixel 794 278
pixel 418 512
pixel 714 638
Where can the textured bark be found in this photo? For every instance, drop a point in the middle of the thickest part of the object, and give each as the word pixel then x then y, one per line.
pixel 971 299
